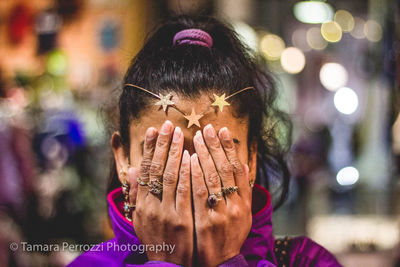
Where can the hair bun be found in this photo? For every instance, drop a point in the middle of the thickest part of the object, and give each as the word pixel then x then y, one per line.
pixel 193 37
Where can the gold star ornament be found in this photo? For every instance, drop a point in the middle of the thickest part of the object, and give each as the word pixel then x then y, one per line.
pixel 193 118
pixel 220 101
pixel 164 101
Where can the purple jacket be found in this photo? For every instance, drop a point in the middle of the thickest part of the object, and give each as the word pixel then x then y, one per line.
pixel 259 249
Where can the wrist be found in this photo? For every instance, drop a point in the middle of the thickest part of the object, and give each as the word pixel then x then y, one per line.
pixel 170 258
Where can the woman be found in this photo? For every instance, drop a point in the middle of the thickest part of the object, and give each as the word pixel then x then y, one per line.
pixel 197 120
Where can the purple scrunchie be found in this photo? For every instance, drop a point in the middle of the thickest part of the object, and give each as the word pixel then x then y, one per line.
pixel 193 37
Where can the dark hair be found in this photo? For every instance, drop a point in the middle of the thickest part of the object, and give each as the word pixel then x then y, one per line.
pixel 191 70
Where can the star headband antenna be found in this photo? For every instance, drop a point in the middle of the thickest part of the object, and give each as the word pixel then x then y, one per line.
pixel 193 118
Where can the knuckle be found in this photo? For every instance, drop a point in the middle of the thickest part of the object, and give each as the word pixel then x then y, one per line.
pixel 197 173
pixel 149 146
pixel 169 178
pixel 174 151
pixel 163 141
pixel 152 215
pixel 184 172
pixel 180 226
pixel 237 167
pixel 139 211
pixel 201 192
pixel 182 188
pixel 220 221
pixel 205 228
pixel 145 166
pixel 215 144
pixel 226 169
pixel 213 178
pixel 230 150
pixel 234 212
pixel 156 169
pixel 204 154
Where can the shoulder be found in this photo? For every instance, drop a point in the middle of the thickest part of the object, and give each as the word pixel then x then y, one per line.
pixel 302 251
pixel 99 255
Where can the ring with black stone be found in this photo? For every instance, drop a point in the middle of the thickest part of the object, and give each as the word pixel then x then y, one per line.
pixel 213 199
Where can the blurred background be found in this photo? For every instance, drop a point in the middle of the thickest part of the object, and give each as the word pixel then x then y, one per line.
pixel 335 63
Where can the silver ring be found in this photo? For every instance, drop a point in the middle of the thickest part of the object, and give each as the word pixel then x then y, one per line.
pixel 140 182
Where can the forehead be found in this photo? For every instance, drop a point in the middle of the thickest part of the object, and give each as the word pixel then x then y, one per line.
pixel 155 116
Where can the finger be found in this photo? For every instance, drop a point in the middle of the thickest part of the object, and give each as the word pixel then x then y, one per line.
pixel 224 168
pixel 246 170
pixel 148 151
pixel 161 152
pixel 133 184
pixel 213 181
pixel 199 188
pixel 183 189
pixel 170 176
pixel 238 170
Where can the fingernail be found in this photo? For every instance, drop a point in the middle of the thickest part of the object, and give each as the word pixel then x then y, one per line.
pixel 185 156
pixel 198 138
pixel 226 136
pixel 177 134
pixel 151 134
pixel 166 128
pixel 209 129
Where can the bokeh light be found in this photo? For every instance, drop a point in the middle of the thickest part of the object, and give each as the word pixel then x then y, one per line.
pixel 299 40
pixel 346 100
pixel 373 31
pixel 331 31
pixel 57 63
pixel 246 34
pixel 333 76
pixel 345 20
pixel 313 11
pixel 315 39
pixel 358 30
pixel 272 46
pixel 347 176
pixel 293 60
